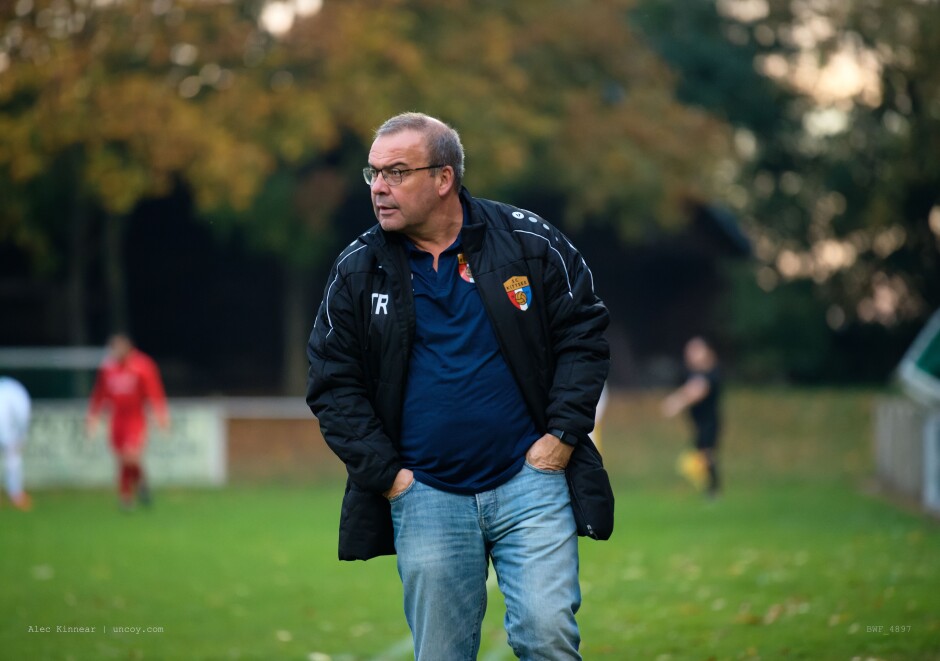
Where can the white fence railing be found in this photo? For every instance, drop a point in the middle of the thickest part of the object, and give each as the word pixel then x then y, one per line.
pixel 58 453
pixel 907 449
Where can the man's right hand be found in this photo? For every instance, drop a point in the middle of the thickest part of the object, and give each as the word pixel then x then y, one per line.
pixel 402 481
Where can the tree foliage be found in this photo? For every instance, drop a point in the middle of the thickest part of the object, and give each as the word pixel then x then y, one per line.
pixel 836 126
pixel 143 95
pixel 816 121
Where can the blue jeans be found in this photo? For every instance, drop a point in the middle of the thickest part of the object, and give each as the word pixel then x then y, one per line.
pixel 444 542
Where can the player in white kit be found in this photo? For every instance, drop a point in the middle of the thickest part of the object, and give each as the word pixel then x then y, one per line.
pixel 14 426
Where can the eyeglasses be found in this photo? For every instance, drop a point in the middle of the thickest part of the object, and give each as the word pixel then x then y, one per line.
pixel 392 176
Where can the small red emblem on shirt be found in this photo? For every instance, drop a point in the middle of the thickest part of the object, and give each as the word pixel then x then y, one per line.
pixel 463 268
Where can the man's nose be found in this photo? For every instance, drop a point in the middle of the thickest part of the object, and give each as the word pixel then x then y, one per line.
pixel 379 184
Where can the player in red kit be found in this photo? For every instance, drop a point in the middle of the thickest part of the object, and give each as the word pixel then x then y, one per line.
pixel 127 380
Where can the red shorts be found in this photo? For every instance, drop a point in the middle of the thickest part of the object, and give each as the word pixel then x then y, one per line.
pixel 128 433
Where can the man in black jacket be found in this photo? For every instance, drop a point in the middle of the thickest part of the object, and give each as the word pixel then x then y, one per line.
pixel 455 365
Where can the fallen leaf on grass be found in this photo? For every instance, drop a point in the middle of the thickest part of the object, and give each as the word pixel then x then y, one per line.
pixel 747 618
pixel 773 613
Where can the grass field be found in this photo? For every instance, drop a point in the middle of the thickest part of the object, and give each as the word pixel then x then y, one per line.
pixel 796 561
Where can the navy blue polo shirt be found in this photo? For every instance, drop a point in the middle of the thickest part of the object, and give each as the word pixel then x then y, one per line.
pixel 465 426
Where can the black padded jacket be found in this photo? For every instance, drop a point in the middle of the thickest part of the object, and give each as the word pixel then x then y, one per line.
pixel 552 340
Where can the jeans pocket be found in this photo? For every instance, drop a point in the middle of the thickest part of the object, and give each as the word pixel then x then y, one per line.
pixel 405 492
pixel 544 471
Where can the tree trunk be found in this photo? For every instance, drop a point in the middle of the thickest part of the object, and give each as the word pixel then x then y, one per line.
pixel 76 286
pixel 78 254
pixel 298 314
pixel 78 263
pixel 76 289
pixel 115 276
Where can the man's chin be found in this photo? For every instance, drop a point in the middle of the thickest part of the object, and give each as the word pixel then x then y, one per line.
pixel 390 224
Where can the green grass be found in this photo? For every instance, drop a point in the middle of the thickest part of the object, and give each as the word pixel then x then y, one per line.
pixel 796 561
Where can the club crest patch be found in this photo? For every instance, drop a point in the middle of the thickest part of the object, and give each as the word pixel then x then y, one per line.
pixel 463 268
pixel 519 291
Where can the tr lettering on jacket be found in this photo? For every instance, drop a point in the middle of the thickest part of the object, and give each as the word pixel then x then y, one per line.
pixel 379 303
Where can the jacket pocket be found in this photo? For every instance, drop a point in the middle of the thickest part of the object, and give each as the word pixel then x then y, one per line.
pixel 592 498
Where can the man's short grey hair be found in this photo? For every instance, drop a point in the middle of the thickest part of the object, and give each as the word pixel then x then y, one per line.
pixel 442 141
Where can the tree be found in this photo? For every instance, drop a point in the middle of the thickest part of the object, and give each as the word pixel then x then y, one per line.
pixel 837 136
pixel 98 91
pixel 265 114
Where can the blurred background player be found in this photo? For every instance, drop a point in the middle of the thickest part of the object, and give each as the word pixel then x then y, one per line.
pixel 700 394
pixel 598 434
pixel 126 381
pixel 14 426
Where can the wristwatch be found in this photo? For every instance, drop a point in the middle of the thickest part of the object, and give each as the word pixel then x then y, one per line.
pixel 565 437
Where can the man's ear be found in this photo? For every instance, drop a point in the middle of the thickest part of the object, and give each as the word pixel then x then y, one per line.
pixel 447 181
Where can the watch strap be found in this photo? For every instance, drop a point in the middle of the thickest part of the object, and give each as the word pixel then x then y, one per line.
pixel 565 437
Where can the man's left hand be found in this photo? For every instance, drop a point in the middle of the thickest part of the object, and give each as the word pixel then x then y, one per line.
pixel 549 453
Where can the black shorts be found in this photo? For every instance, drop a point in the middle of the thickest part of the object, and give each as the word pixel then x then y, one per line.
pixel 706 438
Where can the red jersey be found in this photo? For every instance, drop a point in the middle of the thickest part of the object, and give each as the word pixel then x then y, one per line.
pixel 126 386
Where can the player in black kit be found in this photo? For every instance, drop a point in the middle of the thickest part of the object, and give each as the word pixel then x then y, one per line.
pixel 700 394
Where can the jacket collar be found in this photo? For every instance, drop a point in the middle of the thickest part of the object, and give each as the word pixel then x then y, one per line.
pixel 471 236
